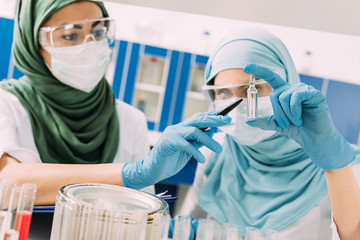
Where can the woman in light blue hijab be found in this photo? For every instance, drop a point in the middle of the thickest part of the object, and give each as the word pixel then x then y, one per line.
pixel 263 178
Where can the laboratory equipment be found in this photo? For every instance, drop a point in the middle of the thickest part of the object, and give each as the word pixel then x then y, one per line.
pixel 12 209
pixel 252 95
pixel 252 233
pixel 99 211
pixel 16 205
pixel 270 234
pixel 229 232
pixel 11 234
pixel 182 228
pixel 205 229
pixel 24 210
pixel 233 91
pixel 53 37
pixel 330 150
pixel 5 216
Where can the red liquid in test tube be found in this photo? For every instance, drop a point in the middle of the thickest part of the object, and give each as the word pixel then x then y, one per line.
pixel 22 224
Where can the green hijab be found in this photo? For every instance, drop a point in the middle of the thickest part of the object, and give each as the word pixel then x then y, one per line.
pixel 69 126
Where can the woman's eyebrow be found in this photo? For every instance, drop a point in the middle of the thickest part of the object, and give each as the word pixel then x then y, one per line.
pixel 78 26
pixel 95 23
pixel 70 25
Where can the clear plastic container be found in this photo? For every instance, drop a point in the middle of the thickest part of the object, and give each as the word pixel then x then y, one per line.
pixel 270 234
pixel 205 229
pixel 252 233
pixel 100 211
pixel 229 232
pixel 182 227
pixel 6 187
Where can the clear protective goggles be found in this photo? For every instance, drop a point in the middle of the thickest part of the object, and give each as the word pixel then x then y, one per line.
pixel 77 33
pixel 234 91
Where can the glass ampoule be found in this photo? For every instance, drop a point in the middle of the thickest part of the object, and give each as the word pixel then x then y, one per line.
pixel 252 103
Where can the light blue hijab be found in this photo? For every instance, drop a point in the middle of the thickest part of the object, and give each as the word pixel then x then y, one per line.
pixel 269 185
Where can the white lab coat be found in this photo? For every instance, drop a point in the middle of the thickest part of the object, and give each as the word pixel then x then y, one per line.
pixel 17 139
pixel 317 224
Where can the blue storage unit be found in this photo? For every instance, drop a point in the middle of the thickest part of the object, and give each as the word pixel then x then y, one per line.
pixel 17 73
pixel 120 68
pixel 343 100
pixel 144 77
pixel 7 26
pixel 189 98
pixel 185 176
pixel 313 81
pixel 180 88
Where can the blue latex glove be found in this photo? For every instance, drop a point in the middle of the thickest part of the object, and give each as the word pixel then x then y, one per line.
pixel 301 113
pixel 194 224
pixel 174 149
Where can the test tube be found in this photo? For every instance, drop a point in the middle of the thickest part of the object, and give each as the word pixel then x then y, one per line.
pixel 229 232
pixel 252 104
pixel 5 215
pixel 12 208
pixel 165 227
pixel 252 233
pixel 182 227
pixel 11 234
pixel 270 234
pixel 80 219
pixel 24 210
pixel 205 229
pixel 154 229
pixel 120 225
pixel 136 225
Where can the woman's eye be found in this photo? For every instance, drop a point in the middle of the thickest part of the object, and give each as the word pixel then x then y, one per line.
pixel 70 37
pixel 99 31
pixel 241 91
pixel 223 94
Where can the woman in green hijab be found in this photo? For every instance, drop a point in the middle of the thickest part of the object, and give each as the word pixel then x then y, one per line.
pixel 61 120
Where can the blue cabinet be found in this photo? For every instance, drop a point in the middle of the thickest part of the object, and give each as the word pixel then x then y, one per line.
pixel 158 81
pixel 313 81
pixel 343 99
pixel 189 98
pixel 144 77
pixel 7 26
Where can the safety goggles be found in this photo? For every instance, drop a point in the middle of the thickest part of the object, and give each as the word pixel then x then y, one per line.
pixel 233 91
pixel 77 33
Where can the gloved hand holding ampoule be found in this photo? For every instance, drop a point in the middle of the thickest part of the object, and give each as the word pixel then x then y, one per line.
pixel 301 113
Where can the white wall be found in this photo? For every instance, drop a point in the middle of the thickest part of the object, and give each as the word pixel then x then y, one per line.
pixel 334 56
pixel 337 16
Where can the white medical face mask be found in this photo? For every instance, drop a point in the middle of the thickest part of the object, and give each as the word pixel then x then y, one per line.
pixel 81 66
pixel 241 132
